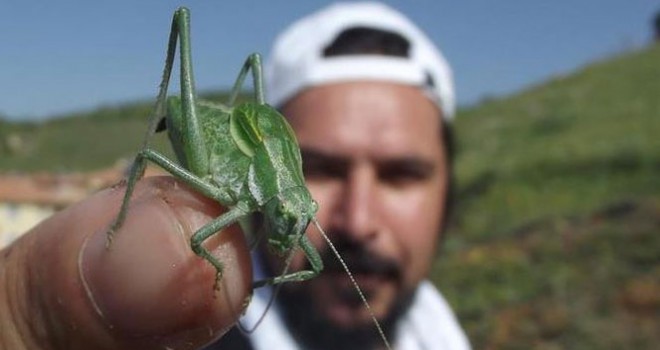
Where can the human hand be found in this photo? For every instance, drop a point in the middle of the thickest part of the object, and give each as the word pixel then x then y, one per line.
pixel 60 288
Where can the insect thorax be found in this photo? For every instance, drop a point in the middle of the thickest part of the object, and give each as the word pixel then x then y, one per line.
pixel 248 144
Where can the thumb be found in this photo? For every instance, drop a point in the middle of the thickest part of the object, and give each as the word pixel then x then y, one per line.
pixel 64 290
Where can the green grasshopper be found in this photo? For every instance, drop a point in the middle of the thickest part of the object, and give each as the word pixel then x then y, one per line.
pixel 245 157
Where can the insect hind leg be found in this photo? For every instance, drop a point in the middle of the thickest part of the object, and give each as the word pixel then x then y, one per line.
pixel 157 119
pixel 253 64
pixel 136 172
pixel 180 28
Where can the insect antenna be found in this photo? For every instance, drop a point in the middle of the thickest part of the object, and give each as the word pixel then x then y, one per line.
pixel 271 300
pixel 357 287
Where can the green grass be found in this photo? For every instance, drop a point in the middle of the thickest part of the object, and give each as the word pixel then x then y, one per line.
pixel 588 282
pixel 561 148
pixel 82 141
pixel 555 236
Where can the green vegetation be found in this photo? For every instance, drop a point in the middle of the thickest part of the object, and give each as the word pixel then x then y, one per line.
pixel 565 147
pixel 555 236
pixel 555 239
pixel 79 142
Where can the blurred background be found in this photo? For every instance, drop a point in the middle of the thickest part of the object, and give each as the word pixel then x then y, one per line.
pixel 555 238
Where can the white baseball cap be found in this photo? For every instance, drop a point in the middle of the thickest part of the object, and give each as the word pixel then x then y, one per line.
pixel 297 62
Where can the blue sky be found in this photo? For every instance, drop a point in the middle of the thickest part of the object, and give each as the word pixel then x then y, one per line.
pixel 63 56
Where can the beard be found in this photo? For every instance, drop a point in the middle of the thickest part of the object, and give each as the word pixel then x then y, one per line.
pixel 314 330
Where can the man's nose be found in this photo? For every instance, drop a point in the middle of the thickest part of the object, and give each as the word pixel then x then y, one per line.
pixel 359 203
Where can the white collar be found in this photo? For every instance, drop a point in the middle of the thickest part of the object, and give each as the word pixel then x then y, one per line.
pixel 429 324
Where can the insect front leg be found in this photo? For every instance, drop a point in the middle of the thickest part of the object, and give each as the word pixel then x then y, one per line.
pixel 216 225
pixel 314 260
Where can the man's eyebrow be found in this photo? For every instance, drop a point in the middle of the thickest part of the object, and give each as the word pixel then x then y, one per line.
pixel 315 161
pixel 409 163
pixel 310 154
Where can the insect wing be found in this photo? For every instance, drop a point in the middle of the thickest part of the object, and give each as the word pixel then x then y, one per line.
pixel 244 129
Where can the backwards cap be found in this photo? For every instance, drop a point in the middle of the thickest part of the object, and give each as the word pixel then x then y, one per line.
pixel 297 62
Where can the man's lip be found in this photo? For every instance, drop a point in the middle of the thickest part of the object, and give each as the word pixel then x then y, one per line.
pixel 366 265
pixel 357 270
pixel 341 285
pixel 365 281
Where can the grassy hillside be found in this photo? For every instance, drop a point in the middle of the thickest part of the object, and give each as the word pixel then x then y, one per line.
pixel 556 233
pixel 556 238
pixel 563 147
pixel 83 141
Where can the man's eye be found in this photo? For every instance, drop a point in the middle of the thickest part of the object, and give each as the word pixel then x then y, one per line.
pixel 323 170
pixel 318 165
pixel 401 177
pixel 401 174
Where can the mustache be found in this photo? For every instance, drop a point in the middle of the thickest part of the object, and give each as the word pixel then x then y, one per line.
pixel 358 258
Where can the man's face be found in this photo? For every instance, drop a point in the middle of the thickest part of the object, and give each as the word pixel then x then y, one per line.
pixel 373 159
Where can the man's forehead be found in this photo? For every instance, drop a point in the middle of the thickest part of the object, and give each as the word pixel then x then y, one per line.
pixel 371 104
pixel 367 119
pixel 347 156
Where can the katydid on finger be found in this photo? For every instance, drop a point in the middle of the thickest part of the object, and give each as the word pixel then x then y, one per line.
pixel 246 157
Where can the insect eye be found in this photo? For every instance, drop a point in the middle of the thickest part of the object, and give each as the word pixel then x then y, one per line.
pixel 315 206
